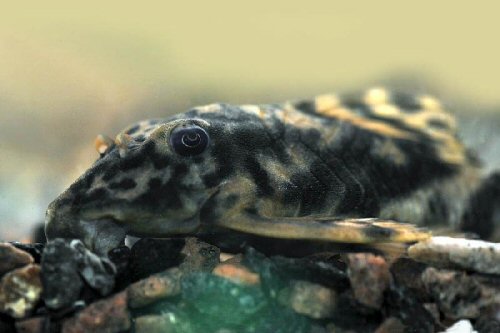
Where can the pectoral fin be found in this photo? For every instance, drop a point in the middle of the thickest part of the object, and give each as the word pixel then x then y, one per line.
pixel 350 230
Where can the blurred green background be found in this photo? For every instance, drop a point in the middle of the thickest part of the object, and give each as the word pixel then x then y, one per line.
pixel 70 71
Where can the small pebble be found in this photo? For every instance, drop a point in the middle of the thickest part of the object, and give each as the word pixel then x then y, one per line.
pixel 310 299
pixel 109 315
pixel 391 325
pixel 462 326
pixel 236 273
pixel 154 288
pixel 154 324
pixel 31 325
pixel 20 291
pixel 369 275
pixel 12 257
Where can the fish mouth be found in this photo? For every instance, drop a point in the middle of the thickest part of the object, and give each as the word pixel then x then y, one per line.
pixel 103 232
pixel 141 224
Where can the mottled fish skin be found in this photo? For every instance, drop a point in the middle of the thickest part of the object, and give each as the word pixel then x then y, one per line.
pixel 375 154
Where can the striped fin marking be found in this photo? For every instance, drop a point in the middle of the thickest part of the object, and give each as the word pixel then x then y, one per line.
pixel 444 136
pixel 379 102
pixel 331 106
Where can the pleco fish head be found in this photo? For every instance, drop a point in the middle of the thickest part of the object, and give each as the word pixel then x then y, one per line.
pixel 153 179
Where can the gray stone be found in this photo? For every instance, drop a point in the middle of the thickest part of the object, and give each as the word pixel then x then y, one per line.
pixel 65 265
pixel 60 277
pixel 97 271
pixel 448 252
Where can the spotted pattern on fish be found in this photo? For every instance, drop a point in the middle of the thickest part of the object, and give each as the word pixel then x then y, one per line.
pixel 332 168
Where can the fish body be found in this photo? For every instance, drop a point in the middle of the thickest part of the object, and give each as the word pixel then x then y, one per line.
pixel 361 169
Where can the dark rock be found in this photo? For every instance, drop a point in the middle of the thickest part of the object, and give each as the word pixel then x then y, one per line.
pixel 20 291
pixel 309 299
pixel 391 325
pixel 106 316
pixel 489 320
pixel 273 280
pixel 369 275
pixel 149 256
pixel 408 272
pixel 120 257
pixel 457 295
pixel 38 233
pixel 460 295
pixel 351 316
pixel 154 288
pixel 402 303
pixel 11 258
pixel 197 256
pixel 433 310
pixel 277 272
pixel 35 249
pixel 7 324
pixel 68 263
pixel 31 325
pixel 328 271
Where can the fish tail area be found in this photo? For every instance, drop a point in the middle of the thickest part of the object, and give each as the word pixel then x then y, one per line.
pixel 375 230
pixel 482 215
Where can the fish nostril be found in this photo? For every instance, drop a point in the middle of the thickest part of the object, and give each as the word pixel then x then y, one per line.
pixel 122 142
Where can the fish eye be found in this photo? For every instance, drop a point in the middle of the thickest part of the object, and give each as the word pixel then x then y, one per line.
pixel 189 141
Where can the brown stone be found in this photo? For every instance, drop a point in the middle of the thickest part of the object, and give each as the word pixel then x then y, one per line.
pixel 391 325
pixel 310 299
pixel 31 325
pixel 154 324
pixel 369 276
pixel 20 291
pixel 106 316
pixel 237 273
pixel 199 256
pixel 12 257
pixel 154 288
